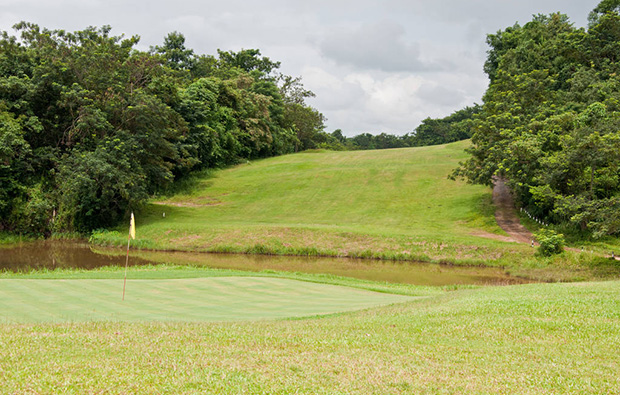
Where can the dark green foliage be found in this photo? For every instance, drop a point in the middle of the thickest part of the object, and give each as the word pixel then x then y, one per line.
pixel 15 153
pixel 604 7
pixel 99 186
pixel 90 127
pixel 551 119
pixel 248 60
pixel 551 243
pixel 455 127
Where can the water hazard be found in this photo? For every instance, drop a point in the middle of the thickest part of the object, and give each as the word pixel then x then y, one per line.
pixel 52 255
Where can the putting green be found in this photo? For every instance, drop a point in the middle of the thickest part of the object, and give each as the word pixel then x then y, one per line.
pixel 196 299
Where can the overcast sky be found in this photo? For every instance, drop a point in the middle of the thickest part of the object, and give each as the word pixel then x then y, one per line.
pixel 375 66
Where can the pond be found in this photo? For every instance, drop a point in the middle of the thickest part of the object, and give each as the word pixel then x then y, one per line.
pixel 71 254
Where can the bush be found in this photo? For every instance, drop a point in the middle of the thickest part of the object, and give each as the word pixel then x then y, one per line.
pixel 33 215
pixel 550 242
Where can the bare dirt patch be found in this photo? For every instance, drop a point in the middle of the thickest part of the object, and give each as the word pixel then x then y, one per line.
pixel 190 204
pixel 493 236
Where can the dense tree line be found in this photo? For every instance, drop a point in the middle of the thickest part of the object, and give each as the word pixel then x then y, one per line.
pixel 550 119
pixel 90 126
pixel 432 131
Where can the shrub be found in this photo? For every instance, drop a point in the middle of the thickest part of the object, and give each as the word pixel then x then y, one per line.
pixel 550 242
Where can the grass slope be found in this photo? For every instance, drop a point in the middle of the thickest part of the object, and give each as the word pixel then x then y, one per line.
pixel 396 204
pixel 390 204
pixel 528 339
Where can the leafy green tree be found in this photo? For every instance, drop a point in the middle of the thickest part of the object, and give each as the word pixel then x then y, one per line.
pixel 339 136
pixel 249 61
pixel 307 123
pixel 550 120
pixel 604 7
pixel 15 154
pixel 455 127
pixel 293 91
pixel 99 187
pixel 91 126
pixel 173 50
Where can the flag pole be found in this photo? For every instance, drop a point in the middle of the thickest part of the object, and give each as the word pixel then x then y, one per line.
pixel 132 235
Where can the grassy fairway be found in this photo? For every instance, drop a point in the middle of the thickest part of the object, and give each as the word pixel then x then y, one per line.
pixel 197 299
pixel 527 339
pixel 386 203
pixel 390 204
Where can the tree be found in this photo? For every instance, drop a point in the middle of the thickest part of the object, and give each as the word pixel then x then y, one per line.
pixel 249 61
pixel 15 153
pixel 91 126
pixel 306 122
pixel 551 118
pixel 176 55
pixel 99 187
pixel 604 7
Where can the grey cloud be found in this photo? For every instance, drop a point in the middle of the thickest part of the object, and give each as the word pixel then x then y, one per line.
pixel 380 46
pixel 440 95
pixel 493 15
pixel 388 42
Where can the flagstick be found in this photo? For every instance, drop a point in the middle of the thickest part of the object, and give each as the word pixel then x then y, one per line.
pixel 126 263
pixel 132 235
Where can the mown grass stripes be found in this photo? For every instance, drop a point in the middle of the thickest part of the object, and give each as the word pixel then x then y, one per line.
pixel 198 299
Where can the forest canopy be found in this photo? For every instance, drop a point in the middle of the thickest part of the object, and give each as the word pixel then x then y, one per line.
pixel 550 119
pixel 91 127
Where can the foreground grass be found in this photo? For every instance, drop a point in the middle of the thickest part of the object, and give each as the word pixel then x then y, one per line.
pixel 527 339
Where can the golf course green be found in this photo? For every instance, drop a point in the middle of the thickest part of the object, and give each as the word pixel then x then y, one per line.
pixel 188 300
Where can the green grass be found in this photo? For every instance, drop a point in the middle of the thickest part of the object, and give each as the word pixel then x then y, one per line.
pixel 190 299
pixel 10 239
pixel 527 339
pixel 385 204
pixel 394 204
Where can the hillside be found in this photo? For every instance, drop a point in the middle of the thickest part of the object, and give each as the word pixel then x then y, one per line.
pixel 389 204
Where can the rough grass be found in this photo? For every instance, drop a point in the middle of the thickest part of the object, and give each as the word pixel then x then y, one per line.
pixel 9 239
pixel 527 339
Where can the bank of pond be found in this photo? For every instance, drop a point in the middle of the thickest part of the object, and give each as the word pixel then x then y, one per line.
pixel 53 254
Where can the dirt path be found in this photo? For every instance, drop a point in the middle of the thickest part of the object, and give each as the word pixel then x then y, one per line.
pixel 507 218
pixel 506 214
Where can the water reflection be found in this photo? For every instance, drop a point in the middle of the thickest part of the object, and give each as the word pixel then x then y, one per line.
pixel 70 254
pixel 54 254
pixel 394 272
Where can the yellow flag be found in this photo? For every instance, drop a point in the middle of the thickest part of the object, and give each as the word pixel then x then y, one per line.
pixel 132 227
